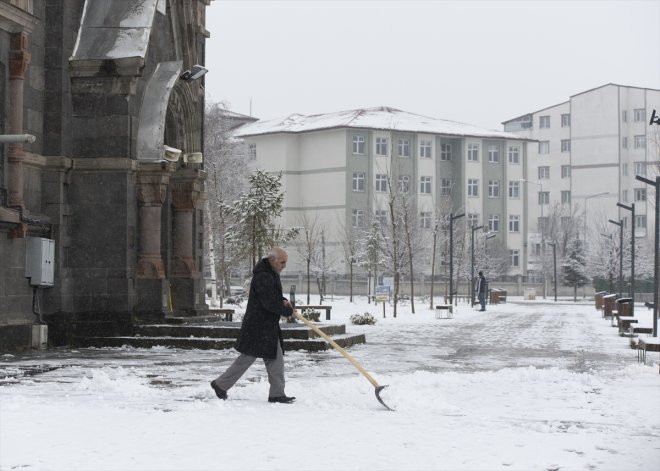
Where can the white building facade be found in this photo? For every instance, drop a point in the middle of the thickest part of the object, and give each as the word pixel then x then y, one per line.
pixel 336 169
pixel 589 150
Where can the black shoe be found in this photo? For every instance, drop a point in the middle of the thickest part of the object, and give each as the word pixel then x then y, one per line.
pixel 482 310
pixel 221 393
pixel 281 399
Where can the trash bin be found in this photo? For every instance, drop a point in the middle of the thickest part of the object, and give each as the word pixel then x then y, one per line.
pixel 502 296
pixel 624 306
pixel 598 298
pixel 530 293
pixel 494 297
pixel 608 305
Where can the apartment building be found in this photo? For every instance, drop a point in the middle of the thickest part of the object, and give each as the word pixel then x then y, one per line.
pixel 589 150
pixel 336 169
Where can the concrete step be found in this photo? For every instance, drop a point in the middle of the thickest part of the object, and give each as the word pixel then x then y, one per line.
pixel 206 343
pixel 231 330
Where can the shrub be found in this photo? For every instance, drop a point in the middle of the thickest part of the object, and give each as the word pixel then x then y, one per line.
pixel 311 315
pixel 363 319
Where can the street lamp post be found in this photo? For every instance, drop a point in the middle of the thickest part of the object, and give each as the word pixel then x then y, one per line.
pixel 656 279
pixel 472 263
pixel 541 201
pixel 554 265
pixel 631 208
pixel 585 210
pixel 620 224
pixel 451 255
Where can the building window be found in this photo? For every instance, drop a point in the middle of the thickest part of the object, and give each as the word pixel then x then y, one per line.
pixel 473 153
pixel 493 153
pixel 640 141
pixel 514 155
pixel 544 147
pixel 514 223
pixel 425 149
pixel 624 196
pixel 565 120
pixel 404 183
pixel 565 145
pixel 473 219
pixel 358 145
pixel 565 171
pixel 544 197
pixel 381 146
pixel 425 220
pixel 445 186
pixel 381 217
pixel 640 194
pixel 494 223
pixel 445 151
pixel 358 218
pixel 640 222
pixel 624 142
pixel 358 182
pixel 565 197
pixel 624 169
pixel 544 173
pixel 624 116
pixel 515 258
pixel 544 122
pixel 640 168
pixel 404 148
pixel 381 183
pixel 473 187
pixel 536 250
pixel 514 189
pixel 425 185
pixel 639 115
pixel 493 188
pixel 542 223
pixel 252 151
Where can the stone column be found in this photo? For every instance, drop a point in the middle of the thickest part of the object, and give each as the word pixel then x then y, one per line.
pixel 151 192
pixel 19 58
pixel 185 191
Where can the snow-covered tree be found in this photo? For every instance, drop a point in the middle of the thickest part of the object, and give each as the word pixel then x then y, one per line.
pixel 254 214
pixel 575 266
pixel 225 161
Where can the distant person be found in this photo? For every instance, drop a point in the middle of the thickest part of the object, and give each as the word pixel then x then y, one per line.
pixel 260 335
pixel 480 290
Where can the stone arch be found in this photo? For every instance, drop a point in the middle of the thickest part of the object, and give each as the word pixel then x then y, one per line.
pixel 182 122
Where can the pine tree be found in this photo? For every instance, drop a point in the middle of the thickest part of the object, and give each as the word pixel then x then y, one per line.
pixel 253 230
pixel 575 266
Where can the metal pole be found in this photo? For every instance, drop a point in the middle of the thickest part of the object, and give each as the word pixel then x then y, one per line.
pixel 472 265
pixel 632 263
pixel 451 256
pixel 620 224
pixel 655 248
pixel 554 263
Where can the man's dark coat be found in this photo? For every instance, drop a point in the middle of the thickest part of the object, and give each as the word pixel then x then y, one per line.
pixel 260 331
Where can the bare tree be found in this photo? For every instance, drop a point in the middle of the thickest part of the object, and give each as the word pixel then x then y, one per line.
pixel 225 161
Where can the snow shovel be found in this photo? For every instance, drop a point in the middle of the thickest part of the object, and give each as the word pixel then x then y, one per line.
pixel 346 355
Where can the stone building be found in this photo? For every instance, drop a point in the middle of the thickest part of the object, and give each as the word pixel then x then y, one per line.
pixel 108 196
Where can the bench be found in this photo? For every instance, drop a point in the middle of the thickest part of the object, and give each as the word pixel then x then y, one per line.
pixel 624 324
pixel 444 311
pixel 648 344
pixel 228 314
pixel 327 309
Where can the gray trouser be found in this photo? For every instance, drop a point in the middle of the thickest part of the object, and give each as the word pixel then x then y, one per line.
pixel 274 367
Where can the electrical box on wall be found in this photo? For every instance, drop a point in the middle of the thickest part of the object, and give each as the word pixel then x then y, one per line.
pixel 40 261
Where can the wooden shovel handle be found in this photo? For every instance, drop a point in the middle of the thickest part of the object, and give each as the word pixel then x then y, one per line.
pixel 338 348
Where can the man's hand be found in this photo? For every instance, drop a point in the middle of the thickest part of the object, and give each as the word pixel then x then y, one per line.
pixel 296 314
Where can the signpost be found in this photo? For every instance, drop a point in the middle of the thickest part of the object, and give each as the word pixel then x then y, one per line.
pixel 383 295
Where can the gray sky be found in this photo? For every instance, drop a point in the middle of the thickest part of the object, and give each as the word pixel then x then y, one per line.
pixel 478 62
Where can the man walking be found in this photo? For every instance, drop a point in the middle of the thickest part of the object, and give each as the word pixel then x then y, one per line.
pixel 480 289
pixel 260 335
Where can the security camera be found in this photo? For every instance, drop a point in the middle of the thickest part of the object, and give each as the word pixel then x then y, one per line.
pixel 194 73
pixel 17 138
pixel 193 158
pixel 171 154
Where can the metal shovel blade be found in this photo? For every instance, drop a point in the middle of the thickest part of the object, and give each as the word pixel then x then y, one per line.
pixel 378 390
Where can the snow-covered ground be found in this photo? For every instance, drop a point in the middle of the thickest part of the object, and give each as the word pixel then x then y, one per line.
pixel 527 385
